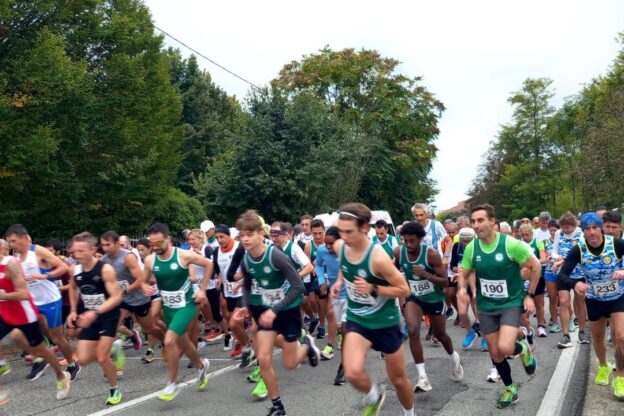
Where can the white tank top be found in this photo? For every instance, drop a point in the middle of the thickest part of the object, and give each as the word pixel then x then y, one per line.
pixel 43 291
pixel 224 260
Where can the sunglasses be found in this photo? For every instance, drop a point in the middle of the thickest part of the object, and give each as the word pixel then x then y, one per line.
pixel 156 244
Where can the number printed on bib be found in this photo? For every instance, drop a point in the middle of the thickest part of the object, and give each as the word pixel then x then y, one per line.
pixel 494 289
pixel 229 288
pixel 32 282
pixel 92 301
pixel 421 287
pixel 605 288
pixel 364 298
pixel 173 299
pixel 123 285
pixel 271 297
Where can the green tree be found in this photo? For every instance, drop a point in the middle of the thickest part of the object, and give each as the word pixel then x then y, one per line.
pixel 393 116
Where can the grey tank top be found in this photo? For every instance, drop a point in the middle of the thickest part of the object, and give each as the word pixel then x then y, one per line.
pixel 125 279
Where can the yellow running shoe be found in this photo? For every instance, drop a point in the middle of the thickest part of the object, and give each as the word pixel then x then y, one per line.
pixel 617 386
pixel 602 375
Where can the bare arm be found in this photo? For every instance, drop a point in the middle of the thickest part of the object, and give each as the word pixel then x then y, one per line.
pixel 132 263
pixel 59 267
pixel 112 288
pixel 14 272
pixel 147 277
pixel 190 257
pixel 382 266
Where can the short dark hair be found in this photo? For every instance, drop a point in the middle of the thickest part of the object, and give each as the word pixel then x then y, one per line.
pixel 157 228
pixel 143 241
pixel 55 244
pixel 110 236
pixel 317 224
pixel 553 223
pixel 413 228
pixel 17 229
pixel 601 207
pixel 286 226
pixel 306 217
pixel 332 232
pixel 489 210
pixel 612 216
pixel 381 223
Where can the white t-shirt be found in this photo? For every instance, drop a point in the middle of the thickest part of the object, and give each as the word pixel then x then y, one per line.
pixel 440 235
pixel 541 235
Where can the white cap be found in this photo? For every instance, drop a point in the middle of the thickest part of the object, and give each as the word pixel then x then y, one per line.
pixel 466 233
pixel 206 225
pixel 233 232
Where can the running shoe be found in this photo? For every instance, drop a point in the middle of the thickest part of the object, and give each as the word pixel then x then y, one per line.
pixel 583 338
pixel 277 411
pixel 248 358
pixel 114 398
pixel 260 391
pixel 457 371
pixel 554 328
pixel 509 397
pixel 469 339
pixel 320 332
pixel 73 371
pixel 602 375
pixel 314 355
pixel 493 375
pixel 137 342
pixel 571 326
pixel 422 384
pixel 530 338
pixel 328 352
pixel 62 386
pixel 227 342
pixel 169 393
pixel 541 332
pixel 528 360
pixel 565 342
pixel 373 409
pixel 314 323
pixel 450 314
pixel 148 357
pixel 484 346
pixel 617 387
pixel 340 379
pixel 5 369
pixel 118 357
pixel 477 328
pixel 254 376
pixel 202 375
pixel 214 336
pixel 37 370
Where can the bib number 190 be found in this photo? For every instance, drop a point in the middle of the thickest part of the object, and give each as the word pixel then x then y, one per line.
pixel 494 289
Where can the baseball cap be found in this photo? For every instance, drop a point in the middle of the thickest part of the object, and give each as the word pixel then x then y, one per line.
pixel 466 233
pixel 206 225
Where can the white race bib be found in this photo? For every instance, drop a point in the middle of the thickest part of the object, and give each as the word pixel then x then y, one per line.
pixel 364 298
pixel 229 289
pixel 123 285
pixel 92 301
pixel 494 289
pixel 271 297
pixel 212 284
pixel 32 282
pixel 421 287
pixel 255 287
pixel 173 299
pixel 307 278
pixel 605 288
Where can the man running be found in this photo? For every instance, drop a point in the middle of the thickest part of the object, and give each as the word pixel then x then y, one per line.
pixel 41 282
pixel 18 312
pixel 387 241
pixel 310 250
pixel 373 284
pixel 98 314
pixel 273 292
pixel 427 278
pixel 129 275
pixel 599 257
pixel 497 260
pixel 169 267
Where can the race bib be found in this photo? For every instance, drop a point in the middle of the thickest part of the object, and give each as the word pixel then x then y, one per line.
pixel 364 298
pixel 59 283
pixel 92 301
pixel 229 288
pixel 421 287
pixel 307 278
pixel 123 285
pixel 606 288
pixel 494 289
pixel 255 287
pixel 199 281
pixel 32 282
pixel 173 299
pixel 212 284
pixel 271 297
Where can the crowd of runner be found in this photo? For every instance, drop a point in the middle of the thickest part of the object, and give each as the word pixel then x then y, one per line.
pixel 255 287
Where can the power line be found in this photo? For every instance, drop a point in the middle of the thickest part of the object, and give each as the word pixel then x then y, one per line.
pixel 205 57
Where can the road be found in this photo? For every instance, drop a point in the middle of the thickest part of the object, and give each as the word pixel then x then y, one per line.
pixel 305 391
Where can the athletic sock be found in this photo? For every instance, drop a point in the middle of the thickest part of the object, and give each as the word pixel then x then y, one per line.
pixel 454 357
pixel 112 389
pixel 409 412
pixel 421 370
pixel 277 402
pixel 373 394
pixel 504 371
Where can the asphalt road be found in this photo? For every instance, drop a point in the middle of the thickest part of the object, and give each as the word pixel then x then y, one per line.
pixel 305 391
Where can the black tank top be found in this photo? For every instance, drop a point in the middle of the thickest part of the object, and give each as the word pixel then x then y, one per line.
pixel 93 290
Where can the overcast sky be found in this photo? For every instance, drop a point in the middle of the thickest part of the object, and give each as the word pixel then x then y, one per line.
pixel 471 54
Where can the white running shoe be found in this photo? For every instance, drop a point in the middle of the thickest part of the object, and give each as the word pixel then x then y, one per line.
pixel 422 384
pixel 457 371
pixel 493 376
pixel 541 332
pixel 62 386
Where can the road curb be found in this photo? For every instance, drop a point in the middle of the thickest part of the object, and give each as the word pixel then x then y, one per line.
pixel 562 395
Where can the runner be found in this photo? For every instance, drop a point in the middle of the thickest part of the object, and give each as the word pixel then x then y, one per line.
pixel 497 260
pixel 18 312
pixel 41 283
pixel 612 224
pixel 273 292
pixel 327 267
pixel 387 241
pixel 551 280
pixel 169 267
pixel 306 236
pixel 537 247
pixel 450 291
pixel 310 250
pixel 566 238
pixel 600 261
pixel 427 278
pixel 129 275
pixel 372 284
pixel 98 314
pixel 208 228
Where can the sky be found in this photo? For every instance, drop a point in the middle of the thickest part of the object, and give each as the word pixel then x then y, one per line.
pixel 471 54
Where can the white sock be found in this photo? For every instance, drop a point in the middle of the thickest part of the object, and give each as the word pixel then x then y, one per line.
pixel 409 412
pixel 421 370
pixel 454 357
pixel 373 394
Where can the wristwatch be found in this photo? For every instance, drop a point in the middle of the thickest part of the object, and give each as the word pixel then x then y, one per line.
pixel 531 295
pixel 374 290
